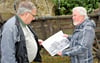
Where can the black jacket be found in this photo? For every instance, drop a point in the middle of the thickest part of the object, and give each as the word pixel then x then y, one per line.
pixel 21 52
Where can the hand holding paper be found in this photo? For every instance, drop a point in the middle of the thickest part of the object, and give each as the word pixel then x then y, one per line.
pixel 40 41
pixel 65 35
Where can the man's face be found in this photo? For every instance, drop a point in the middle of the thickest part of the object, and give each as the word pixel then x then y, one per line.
pixel 77 18
pixel 30 16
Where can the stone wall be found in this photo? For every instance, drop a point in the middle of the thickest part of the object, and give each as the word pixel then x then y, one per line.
pixel 47 26
pixel 44 7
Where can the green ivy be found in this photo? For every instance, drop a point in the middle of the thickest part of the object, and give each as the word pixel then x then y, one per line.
pixel 64 7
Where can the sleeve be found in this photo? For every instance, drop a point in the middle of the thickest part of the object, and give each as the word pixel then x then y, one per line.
pixel 8 45
pixel 84 43
pixel 69 37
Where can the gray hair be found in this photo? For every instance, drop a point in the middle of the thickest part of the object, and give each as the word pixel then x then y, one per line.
pixel 81 10
pixel 25 6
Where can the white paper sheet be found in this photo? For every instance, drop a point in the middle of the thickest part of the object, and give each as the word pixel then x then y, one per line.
pixel 56 43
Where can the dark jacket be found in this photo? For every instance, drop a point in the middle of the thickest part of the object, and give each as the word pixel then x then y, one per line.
pixel 21 46
pixel 13 45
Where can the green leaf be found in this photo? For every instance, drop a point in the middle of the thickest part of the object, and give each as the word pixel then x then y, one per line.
pixel 67 5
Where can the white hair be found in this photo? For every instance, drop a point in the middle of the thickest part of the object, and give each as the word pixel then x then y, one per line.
pixel 81 10
pixel 25 6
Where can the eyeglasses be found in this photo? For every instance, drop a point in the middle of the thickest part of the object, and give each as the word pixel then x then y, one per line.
pixel 33 15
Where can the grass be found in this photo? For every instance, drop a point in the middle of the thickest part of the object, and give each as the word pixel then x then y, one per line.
pixel 55 59
pixel 46 58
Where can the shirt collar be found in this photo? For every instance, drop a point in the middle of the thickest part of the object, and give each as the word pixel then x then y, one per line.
pixel 20 20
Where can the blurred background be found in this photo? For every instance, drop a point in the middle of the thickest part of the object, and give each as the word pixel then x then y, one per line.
pixel 55 15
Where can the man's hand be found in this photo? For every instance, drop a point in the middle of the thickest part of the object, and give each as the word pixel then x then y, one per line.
pixel 40 41
pixel 59 53
pixel 65 35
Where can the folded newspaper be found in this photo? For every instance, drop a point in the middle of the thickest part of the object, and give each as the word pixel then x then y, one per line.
pixel 56 43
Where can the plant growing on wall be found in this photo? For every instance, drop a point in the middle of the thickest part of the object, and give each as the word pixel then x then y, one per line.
pixel 64 7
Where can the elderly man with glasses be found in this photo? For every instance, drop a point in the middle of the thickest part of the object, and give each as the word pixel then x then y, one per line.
pixel 19 43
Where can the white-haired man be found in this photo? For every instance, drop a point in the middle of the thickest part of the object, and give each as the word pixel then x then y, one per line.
pixel 82 39
pixel 19 44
